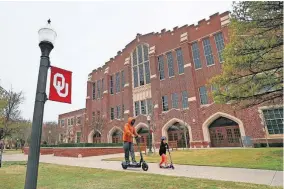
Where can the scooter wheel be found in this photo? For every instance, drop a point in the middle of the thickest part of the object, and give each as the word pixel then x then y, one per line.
pixel 124 166
pixel 145 167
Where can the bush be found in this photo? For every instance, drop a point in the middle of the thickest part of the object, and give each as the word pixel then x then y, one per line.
pixel 85 145
pixel 262 145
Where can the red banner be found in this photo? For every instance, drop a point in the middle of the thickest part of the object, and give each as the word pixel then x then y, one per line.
pixel 60 85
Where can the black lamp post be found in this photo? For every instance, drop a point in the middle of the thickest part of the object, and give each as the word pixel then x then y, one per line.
pixel 47 37
pixel 150 134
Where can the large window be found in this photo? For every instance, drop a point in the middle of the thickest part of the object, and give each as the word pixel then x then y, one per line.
pixel 175 100
pixel 78 137
pixel 165 103
pixel 118 113
pixel 141 65
pixel 274 120
pixel 79 120
pixel 184 99
pixel 111 113
pixel 180 61
pixel 72 121
pixel 196 55
pixel 117 82
pixel 170 64
pixel 208 52
pixel 122 80
pixel 62 122
pixel 219 40
pixel 149 106
pixel 137 108
pixel 143 107
pixel 161 67
pixel 203 95
pixel 99 88
pixel 94 90
pixel 102 85
pixel 111 84
pixel 122 111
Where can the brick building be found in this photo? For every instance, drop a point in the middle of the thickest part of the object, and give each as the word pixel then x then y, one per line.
pixel 161 80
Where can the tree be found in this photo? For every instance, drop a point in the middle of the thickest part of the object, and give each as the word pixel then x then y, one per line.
pixel 10 113
pixel 253 58
pixel 50 132
pixel 98 122
pixel 22 131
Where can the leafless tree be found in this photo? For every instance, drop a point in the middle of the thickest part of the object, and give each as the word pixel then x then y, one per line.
pixel 98 122
pixel 50 132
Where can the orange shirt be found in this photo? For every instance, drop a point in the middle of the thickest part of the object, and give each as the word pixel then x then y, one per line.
pixel 129 131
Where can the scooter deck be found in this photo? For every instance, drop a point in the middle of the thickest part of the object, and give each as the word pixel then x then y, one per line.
pixel 166 167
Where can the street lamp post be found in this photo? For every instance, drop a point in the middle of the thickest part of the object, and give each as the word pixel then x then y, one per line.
pixel 47 37
pixel 150 134
pixel 49 141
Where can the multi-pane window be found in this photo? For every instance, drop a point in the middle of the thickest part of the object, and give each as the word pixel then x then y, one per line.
pixel 165 103
pixel 141 67
pixel 111 113
pixel 102 85
pixel 79 120
pixel 72 121
pixel 122 111
pixel 149 106
pixel 111 84
pixel 208 52
pixel 219 40
pixel 94 90
pixel 99 88
pixel 118 113
pixel 170 64
pixel 122 80
pixel 143 107
pixel 78 136
pixel 161 67
pixel 203 95
pixel 196 55
pixel 137 108
pixel 180 61
pixel 274 120
pixel 135 74
pixel 68 121
pixel 184 99
pixel 62 122
pixel 117 82
pixel 175 100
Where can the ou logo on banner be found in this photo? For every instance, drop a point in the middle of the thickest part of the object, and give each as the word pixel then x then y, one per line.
pixel 60 85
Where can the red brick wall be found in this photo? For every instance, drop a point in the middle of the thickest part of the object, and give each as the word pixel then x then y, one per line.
pixel 43 151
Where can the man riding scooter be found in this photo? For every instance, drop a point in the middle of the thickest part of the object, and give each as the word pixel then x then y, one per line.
pixel 128 134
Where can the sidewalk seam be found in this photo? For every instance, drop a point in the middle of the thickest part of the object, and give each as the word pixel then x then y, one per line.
pixel 272 178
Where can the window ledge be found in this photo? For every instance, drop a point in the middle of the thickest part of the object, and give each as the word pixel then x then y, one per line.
pixel 211 65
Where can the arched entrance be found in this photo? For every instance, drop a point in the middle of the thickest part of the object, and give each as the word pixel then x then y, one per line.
pixel 180 134
pixel 144 133
pixel 97 137
pixel 117 136
pixel 224 132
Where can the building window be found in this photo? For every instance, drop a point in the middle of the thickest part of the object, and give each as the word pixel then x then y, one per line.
pixel 112 113
pixel 170 64
pixel 68 121
pixel 79 120
pixel 165 103
pixel 219 40
pixel 118 113
pixel 117 82
pixel 208 52
pixel 137 108
pixel 111 84
pixel 141 69
pixel 102 86
pixel 143 107
pixel 72 121
pixel 175 100
pixel 122 80
pixel 203 95
pixel 149 106
pixel 184 99
pixel 180 61
pixel 99 88
pixel 196 55
pixel 62 123
pixel 122 111
pixel 274 120
pixel 94 90
pixel 78 136
pixel 161 67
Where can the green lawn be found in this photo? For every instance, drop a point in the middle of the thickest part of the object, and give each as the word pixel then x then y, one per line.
pixel 12 175
pixel 255 158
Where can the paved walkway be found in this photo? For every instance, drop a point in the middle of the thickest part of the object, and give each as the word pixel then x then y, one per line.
pixel 267 177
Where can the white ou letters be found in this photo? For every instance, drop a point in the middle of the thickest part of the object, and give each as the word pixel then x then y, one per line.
pixel 59 86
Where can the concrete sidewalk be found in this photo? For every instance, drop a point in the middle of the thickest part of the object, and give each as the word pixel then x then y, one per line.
pixel 255 176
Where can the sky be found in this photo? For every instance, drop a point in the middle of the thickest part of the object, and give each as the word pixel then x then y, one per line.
pixel 88 34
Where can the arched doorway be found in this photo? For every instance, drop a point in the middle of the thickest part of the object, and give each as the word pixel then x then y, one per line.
pixel 97 137
pixel 144 133
pixel 177 132
pixel 224 132
pixel 117 136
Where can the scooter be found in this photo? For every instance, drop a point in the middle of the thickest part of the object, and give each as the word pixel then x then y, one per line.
pixel 171 166
pixel 141 163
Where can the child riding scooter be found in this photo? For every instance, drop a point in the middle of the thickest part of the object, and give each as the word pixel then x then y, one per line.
pixel 162 151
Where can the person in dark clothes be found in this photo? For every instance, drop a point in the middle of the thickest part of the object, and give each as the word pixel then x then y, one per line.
pixel 162 151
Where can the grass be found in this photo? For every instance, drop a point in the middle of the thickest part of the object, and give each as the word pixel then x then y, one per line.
pixel 255 158
pixel 12 175
pixel 12 151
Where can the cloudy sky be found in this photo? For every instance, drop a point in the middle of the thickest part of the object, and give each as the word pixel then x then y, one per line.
pixel 89 34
